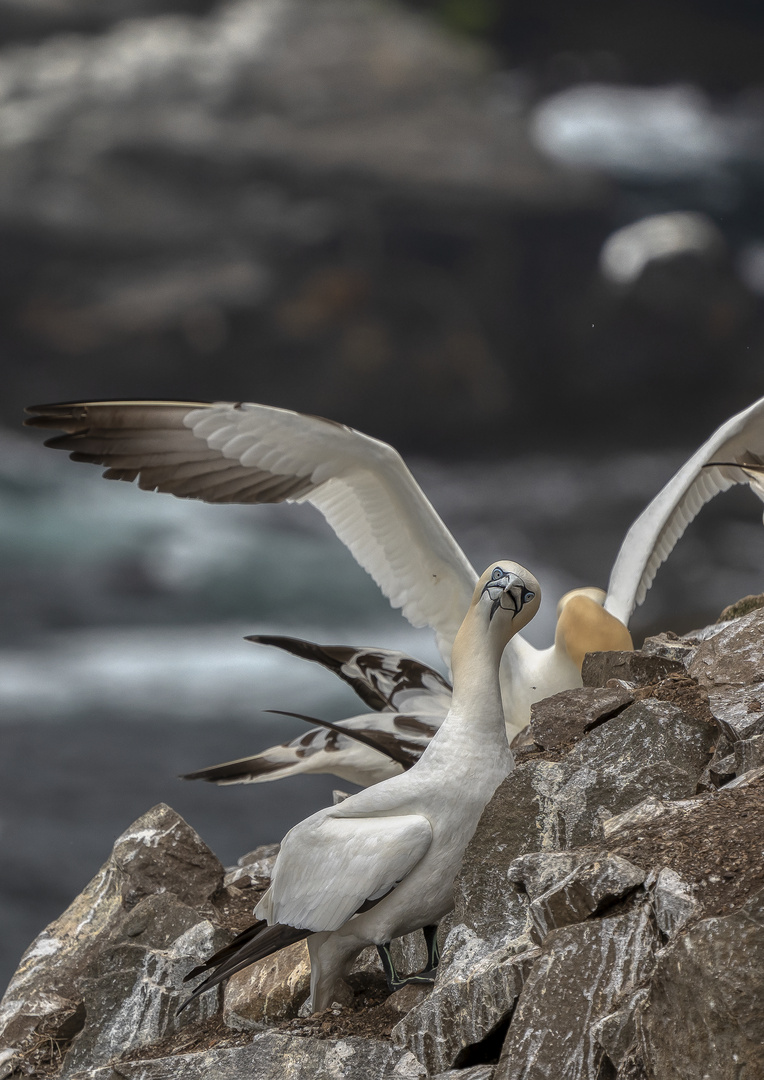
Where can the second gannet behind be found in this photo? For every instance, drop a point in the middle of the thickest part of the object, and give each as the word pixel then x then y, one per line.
pixel 412 699
pixel 382 863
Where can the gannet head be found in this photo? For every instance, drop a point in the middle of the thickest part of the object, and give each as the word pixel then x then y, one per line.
pixel 509 595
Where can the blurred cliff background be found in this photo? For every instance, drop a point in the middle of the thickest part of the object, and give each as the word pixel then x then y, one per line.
pixel 523 243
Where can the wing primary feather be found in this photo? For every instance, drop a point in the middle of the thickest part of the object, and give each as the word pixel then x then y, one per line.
pixel 389 747
pixel 244 950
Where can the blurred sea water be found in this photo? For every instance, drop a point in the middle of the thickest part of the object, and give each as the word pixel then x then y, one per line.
pixel 122 660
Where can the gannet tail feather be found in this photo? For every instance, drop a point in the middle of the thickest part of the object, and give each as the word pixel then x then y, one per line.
pixel 251 945
pixel 652 537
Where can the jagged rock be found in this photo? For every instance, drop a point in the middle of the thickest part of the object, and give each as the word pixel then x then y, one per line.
pixel 272 989
pixel 730 665
pixel 540 871
pixel 645 813
pixel 583 971
pixel 616 1033
pixel 706 1002
pixel 133 998
pixel 161 853
pixel 722 769
pixel 405 999
pixel 672 901
pixel 563 718
pixel 158 854
pixel 586 889
pixel 752 776
pixel 670 646
pixel 476 1072
pixel 253 869
pixel 271 1056
pixel 749 754
pixel 651 747
pixel 742 607
pixel 637 668
pixel 466 1006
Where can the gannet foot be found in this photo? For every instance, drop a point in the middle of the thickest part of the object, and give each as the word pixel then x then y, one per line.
pixel 426 975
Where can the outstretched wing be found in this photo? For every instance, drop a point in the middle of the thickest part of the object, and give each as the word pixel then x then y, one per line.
pixel 248 453
pixel 382 678
pixel 652 537
pixel 330 865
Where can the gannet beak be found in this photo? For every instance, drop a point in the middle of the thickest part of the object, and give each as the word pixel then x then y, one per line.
pixel 510 585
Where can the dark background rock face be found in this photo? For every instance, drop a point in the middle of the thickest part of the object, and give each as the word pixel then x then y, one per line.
pixel 339 207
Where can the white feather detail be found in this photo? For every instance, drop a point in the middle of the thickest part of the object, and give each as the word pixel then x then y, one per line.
pixel 653 535
pixel 329 865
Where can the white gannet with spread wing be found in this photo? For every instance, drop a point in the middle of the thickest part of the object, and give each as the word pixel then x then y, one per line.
pixel 382 864
pixel 248 453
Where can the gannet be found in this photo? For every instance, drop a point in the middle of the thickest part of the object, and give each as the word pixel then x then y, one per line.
pixel 382 863
pixel 410 699
pixel 249 453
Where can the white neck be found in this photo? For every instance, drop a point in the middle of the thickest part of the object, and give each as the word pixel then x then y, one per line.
pixel 473 733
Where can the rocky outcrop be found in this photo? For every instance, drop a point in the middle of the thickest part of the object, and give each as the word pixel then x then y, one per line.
pixel 609 918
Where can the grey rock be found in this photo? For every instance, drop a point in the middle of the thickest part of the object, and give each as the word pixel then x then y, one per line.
pixel 521 817
pixel 476 1072
pixel 730 665
pixel 616 1033
pixel 749 754
pixel 582 973
pixel 584 891
pixel 271 1056
pixel 646 812
pixel 540 871
pixel 651 748
pixel 722 769
pixel 465 1006
pixel 637 668
pixel 670 647
pixel 672 902
pixel 563 718
pixel 159 854
pixel 162 853
pixel 706 1005
pixel 752 776
pixel 408 1068
pixel 132 1000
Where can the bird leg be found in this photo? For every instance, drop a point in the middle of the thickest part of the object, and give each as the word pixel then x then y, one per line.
pixel 426 975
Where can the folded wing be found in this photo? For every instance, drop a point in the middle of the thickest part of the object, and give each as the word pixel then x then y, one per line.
pixel 329 866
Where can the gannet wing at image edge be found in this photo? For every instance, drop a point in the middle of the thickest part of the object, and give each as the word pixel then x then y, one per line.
pixel 652 537
pixel 330 866
pixel 249 453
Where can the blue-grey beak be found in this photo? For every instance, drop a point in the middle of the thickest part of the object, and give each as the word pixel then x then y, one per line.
pixel 510 585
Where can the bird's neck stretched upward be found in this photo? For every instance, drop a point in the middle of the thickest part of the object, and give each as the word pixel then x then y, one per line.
pixel 475 666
